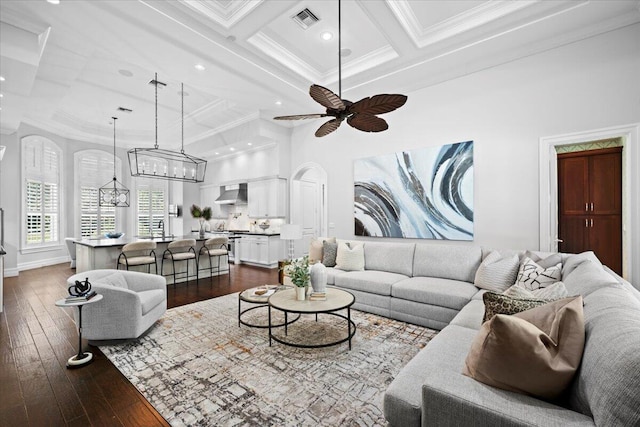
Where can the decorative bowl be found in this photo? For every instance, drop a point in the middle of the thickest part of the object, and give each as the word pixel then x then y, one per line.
pixel 113 235
pixel 264 226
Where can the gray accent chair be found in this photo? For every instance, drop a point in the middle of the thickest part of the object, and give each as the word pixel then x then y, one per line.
pixel 131 304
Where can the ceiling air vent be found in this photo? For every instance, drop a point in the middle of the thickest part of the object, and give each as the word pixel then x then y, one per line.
pixel 125 110
pixel 305 18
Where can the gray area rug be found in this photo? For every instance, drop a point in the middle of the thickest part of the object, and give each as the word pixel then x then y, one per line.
pixel 197 367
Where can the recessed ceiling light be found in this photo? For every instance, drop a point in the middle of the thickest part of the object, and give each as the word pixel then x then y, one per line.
pixel 199 67
pixel 249 143
pixel 1 95
pixel 278 102
pixel 53 1
pixel 1 78
pixel 216 153
pixel 231 149
pixel 125 73
pixel 326 35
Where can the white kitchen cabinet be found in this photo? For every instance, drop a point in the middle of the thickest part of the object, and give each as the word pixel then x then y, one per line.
pixel 208 195
pixel 267 198
pixel 260 250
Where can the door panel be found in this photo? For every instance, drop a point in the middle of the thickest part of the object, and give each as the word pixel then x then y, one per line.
pixel 605 239
pixel 572 230
pixel 605 179
pixel 573 188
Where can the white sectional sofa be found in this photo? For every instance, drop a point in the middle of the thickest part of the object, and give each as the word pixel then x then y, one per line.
pixel 432 285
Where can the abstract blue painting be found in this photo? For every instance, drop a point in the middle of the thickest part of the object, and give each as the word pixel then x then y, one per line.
pixel 425 193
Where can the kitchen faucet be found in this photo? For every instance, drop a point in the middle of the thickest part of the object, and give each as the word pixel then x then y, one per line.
pixel 161 224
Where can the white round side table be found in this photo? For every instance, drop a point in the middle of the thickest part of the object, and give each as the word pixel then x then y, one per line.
pixel 82 358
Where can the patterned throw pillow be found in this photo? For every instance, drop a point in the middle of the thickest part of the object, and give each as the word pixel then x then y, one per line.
pixel 316 248
pixel 532 276
pixel 329 253
pixel 497 273
pixel 501 304
pixel 350 256
pixel 556 291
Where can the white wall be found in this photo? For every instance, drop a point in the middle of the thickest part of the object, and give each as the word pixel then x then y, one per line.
pixel 586 85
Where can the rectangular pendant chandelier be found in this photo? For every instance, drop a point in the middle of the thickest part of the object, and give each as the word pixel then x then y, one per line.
pixel 166 164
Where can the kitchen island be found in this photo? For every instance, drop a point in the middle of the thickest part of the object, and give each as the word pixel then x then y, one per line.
pixel 94 254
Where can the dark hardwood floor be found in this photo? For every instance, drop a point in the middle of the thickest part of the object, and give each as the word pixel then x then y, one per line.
pixel 37 338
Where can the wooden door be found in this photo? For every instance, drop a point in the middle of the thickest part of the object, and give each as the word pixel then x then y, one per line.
pixel 590 204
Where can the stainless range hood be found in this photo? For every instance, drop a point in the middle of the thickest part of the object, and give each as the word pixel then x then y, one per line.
pixel 233 195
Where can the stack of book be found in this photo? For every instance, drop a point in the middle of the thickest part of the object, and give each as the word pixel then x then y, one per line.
pixel 318 296
pixel 79 298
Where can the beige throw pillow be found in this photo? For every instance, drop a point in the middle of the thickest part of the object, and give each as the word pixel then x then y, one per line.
pixel 497 273
pixel 315 248
pixel 536 352
pixel 350 256
pixel 532 276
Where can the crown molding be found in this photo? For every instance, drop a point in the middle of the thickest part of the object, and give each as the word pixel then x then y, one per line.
pixel 228 16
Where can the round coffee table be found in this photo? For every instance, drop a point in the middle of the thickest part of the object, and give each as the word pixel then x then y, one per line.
pixel 337 299
pixel 259 301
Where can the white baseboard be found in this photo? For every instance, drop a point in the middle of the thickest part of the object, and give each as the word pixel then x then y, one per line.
pixel 10 272
pixel 42 263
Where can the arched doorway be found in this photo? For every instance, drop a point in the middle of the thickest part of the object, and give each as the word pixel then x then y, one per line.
pixel 308 203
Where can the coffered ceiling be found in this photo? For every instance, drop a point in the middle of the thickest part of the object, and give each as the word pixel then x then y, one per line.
pixel 68 67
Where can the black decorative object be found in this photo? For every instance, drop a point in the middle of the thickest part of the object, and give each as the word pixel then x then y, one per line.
pixel 80 289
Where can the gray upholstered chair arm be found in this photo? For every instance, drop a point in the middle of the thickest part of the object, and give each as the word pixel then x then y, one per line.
pixel 126 299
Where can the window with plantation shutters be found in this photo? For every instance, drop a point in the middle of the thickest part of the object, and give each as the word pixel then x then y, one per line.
pixel 151 205
pixel 92 169
pixel 41 163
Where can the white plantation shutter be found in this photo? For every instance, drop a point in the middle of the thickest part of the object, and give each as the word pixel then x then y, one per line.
pixel 41 188
pixel 151 205
pixel 94 168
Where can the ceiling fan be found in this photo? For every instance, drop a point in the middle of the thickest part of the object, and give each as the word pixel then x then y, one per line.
pixel 361 115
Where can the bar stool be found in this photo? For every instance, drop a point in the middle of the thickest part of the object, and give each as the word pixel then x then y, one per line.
pixel 216 247
pixel 138 253
pixel 180 250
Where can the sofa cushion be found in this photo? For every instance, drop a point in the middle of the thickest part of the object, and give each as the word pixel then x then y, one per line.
pixel 435 291
pixel 546 262
pixel 150 299
pixel 391 257
pixel 497 273
pixel 452 399
pixel 470 316
pixel 533 276
pixel 376 282
pixel 447 261
pixel 534 352
pixel 607 386
pixel 573 261
pixel 350 256
pixel 332 273
pixel 588 277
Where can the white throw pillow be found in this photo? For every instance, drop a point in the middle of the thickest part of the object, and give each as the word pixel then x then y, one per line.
pixel 497 273
pixel 350 256
pixel 532 276
pixel 552 292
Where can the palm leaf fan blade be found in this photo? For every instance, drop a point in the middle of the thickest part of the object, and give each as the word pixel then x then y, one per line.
pixel 300 117
pixel 367 122
pixel 379 104
pixel 328 127
pixel 326 98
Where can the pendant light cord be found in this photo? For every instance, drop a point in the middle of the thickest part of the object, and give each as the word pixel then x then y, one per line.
pixel 114 149
pixel 182 111
pixel 156 85
pixel 339 51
